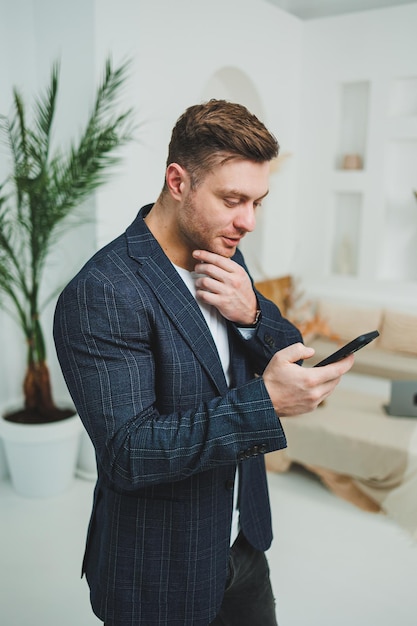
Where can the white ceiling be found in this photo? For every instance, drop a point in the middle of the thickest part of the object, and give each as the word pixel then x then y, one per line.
pixel 310 9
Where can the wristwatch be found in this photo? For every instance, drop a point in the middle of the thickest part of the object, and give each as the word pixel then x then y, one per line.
pixel 257 318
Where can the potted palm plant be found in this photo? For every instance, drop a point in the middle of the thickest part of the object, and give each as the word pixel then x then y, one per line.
pixel 40 201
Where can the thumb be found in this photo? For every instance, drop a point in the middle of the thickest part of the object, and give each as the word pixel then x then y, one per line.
pixel 295 352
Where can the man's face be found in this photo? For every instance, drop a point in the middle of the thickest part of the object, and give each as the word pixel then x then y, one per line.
pixel 217 214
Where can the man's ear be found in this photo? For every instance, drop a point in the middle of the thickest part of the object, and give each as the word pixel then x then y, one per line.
pixel 176 179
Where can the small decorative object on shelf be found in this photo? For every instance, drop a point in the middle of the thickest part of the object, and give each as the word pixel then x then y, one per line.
pixel 352 162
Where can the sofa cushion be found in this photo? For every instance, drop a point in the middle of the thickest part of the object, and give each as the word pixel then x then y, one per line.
pixel 399 332
pixel 348 322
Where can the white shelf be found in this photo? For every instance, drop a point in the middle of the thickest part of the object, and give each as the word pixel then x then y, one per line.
pixel 373 211
pixel 353 122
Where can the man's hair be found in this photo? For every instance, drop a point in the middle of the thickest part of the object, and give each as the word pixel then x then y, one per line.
pixel 214 132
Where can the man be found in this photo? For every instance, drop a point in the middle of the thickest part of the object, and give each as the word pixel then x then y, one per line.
pixel 179 370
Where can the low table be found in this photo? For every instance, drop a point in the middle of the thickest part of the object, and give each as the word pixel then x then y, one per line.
pixel 360 452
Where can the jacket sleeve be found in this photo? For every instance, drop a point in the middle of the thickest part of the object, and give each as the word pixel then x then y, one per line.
pixel 116 370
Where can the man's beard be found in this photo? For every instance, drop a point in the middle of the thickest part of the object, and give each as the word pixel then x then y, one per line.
pixel 198 236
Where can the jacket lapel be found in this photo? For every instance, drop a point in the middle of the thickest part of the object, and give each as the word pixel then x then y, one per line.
pixel 175 298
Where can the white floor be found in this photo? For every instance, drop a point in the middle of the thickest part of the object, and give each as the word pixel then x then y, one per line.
pixel 335 565
pixel 331 564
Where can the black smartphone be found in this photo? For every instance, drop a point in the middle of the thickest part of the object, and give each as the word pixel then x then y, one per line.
pixel 349 348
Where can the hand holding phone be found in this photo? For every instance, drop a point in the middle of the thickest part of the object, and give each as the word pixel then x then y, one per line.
pixel 349 348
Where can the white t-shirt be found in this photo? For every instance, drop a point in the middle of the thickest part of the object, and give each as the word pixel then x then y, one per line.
pixel 217 326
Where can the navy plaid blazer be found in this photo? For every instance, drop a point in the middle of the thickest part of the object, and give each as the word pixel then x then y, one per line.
pixel 146 379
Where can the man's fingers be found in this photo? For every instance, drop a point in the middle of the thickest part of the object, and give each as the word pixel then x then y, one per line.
pixel 204 256
pixel 295 352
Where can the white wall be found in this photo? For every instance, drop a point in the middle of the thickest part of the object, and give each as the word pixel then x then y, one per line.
pixel 177 49
pixel 377 46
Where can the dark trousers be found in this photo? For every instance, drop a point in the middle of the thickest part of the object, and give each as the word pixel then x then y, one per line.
pixel 248 599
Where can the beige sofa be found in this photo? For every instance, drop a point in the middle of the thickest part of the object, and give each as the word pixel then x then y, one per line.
pixel 358 452
pixel 393 355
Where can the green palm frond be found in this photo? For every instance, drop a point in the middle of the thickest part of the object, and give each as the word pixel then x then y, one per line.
pixel 44 116
pixel 41 197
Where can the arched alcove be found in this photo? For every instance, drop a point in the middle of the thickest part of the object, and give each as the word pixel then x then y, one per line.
pixel 231 83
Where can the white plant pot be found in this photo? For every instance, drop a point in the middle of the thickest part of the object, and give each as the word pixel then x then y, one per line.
pixel 4 472
pixel 41 457
pixel 86 464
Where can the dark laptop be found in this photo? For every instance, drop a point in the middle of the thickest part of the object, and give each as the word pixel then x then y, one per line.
pixel 403 400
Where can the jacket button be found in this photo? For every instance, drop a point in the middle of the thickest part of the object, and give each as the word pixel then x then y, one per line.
pixel 229 484
pixel 269 340
pixel 263 448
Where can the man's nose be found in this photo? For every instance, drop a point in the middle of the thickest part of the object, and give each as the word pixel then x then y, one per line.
pixel 246 219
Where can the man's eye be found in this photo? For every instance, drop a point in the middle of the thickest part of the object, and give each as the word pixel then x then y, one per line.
pixel 231 202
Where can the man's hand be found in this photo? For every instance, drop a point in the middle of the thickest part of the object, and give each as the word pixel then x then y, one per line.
pixel 295 390
pixel 225 285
